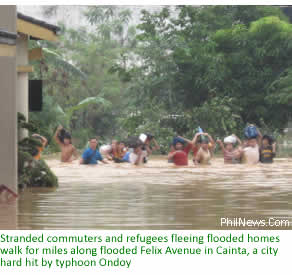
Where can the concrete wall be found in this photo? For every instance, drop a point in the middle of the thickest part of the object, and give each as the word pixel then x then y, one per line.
pixel 8 18
pixel 8 121
pixel 22 78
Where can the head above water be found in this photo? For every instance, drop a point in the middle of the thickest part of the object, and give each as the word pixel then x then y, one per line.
pixel 202 138
pixel 93 142
pixel 267 140
pixel 179 146
pixel 205 144
pixel 149 137
pixel 252 142
pixel 229 146
pixel 67 139
pixel 178 143
pixel 114 143
pixel 121 145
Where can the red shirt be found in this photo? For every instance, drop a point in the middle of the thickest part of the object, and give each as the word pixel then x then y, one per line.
pixel 181 157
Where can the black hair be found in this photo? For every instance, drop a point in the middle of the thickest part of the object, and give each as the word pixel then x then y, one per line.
pixel 203 139
pixel 38 137
pixel 269 138
pixel 149 136
pixel 67 136
pixel 63 134
pixel 133 142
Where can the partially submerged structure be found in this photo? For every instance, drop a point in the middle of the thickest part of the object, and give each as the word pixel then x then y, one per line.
pixel 15 31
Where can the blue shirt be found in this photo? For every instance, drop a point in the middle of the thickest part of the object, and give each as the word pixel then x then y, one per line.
pixel 127 157
pixel 91 157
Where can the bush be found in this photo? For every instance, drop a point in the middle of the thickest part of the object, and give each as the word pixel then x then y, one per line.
pixel 32 172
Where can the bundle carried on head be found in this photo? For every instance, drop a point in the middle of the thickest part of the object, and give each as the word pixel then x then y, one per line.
pixel 143 137
pixel 202 138
pixel 133 142
pixel 177 140
pixel 250 132
pixel 230 139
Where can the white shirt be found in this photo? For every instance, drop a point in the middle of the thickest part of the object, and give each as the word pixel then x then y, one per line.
pixel 104 149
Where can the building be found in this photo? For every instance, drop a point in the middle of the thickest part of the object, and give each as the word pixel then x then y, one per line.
pixel 16 29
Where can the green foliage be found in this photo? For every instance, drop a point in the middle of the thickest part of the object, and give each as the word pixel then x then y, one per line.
pixel 214 66
pixel 85 103
pixel 32 172
pixel 37 174
pixel 82 85
pixel 211 66
pixel 280 91
pixel 256 56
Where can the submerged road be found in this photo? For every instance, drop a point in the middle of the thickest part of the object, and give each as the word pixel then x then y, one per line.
pixel 159 196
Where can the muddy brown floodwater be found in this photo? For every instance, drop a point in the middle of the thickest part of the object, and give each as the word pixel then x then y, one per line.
pixel 158 196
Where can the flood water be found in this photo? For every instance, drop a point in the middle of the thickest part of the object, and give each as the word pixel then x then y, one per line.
pixel 158 196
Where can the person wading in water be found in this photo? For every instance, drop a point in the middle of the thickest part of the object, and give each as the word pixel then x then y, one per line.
pixel 65 144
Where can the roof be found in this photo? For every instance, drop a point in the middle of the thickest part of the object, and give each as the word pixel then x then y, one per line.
pixel 7 37
pixel 36 29
pixel 38 22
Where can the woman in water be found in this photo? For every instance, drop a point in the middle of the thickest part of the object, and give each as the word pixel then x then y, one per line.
pixel 231 154
pixel 206 149
pixel 179 151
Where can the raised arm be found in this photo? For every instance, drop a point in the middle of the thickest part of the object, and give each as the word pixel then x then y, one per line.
pixel 156 145
pixel 238 139
pixel 274 147
pixel 43 139
pixel 195 139
pixel 186 140
pixel 259 137
pixel 210 138
pixel 221 145
pixel 213 144
pixel 56 138
pixel 172 153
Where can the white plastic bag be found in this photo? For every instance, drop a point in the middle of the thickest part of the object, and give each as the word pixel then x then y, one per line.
pixel 143 137
pixel 230 139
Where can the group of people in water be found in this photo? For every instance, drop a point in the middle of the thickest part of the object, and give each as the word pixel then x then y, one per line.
pixel 255 148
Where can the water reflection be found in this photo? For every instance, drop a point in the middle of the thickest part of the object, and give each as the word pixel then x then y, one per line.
pixel 157 196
